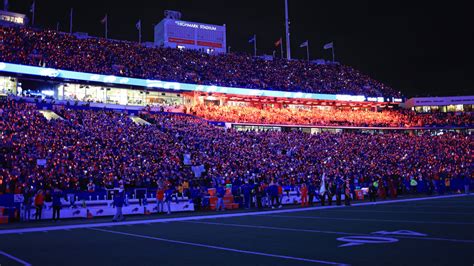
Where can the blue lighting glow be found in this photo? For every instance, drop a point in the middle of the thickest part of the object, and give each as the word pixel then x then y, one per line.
pixel 108 79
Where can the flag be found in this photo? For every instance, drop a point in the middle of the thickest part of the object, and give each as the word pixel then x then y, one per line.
pixel 278 43
pixel 32 8
pixel 305 44
pixel 328 46
pixel 5 5
pixel 138 25
pixel 322 189
pixel 104 20
pixel 252 39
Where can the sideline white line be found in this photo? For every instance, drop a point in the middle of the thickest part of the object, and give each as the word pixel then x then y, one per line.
pixel 203 217
pixel 329 232
pixel 219 247
pixel 14 258
pixel 367 220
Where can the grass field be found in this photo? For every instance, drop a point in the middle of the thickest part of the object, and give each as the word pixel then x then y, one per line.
pixel 435 231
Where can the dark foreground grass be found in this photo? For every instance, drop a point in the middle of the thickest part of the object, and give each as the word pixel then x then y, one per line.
pixel 437 232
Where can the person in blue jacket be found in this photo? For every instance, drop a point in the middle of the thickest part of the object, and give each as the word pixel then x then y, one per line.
pixel 311 193
pixel 118 204
pixel 168 198
pixel 274 195
pixel 220 192
pixel 247 190
pixel 196 197
pixel 467 184
pixel 56 203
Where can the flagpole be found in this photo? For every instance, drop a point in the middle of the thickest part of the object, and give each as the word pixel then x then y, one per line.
pixel 33 9
pixel 70 21
pixel 287 27
pixel 106 26
pixel 140 32
pixel 281 48
pixel 307 50
pixel 255 45
pixel 333 57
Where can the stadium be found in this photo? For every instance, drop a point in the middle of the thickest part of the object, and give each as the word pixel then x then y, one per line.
pixel 181 151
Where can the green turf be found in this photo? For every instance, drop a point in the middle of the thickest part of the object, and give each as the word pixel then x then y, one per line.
pixel 444 221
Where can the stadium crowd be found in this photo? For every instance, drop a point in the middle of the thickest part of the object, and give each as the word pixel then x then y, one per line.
pixel 330 117
pixel 91 150
pixel 97 55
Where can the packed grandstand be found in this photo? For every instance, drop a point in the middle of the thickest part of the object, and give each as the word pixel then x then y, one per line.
pixel 97 55
pixel 106 147
pixel 89 150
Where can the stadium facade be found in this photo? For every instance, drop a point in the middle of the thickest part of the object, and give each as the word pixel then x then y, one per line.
pixel 180 34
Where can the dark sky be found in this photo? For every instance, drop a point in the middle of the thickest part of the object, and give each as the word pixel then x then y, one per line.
pixel 419 47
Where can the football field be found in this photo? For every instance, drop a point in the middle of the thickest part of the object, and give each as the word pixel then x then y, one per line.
pixel 422 231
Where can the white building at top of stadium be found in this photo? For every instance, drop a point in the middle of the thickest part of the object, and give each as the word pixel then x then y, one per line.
pixel 175 33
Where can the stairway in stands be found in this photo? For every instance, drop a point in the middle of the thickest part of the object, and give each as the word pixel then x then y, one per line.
pixel 139 121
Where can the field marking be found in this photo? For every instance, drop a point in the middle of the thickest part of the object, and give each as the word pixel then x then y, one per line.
pixel 367 220
pixel 216 216
pixel 14 258
pixel 274 228
pixel 218 247
pixel 413 212
pixel 442 206
pixel 328 232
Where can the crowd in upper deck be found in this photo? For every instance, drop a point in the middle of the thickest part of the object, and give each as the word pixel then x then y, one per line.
pixel 97 55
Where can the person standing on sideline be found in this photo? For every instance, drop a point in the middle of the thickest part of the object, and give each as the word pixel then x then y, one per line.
pixel 280 193
pixel 168 198
pixel 372 192
pixel 118 204
pixel 331 191
pixel 56 203
pixel 220 192
pixel 311 192
pixel 39 203
pixel 347 193
pixel 246 191
pixel 339 188
pixel 467 183
pixel 27 201
pixel 160 196
pixel 304 195
pixel 274 195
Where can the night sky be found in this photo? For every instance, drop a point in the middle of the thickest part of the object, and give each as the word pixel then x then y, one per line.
pixel 418 47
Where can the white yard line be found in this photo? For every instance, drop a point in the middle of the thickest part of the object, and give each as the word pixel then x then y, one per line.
pixel 454 206
pixel 216 216
pixel 14 258
pixel 328 232
pixel 367 220
pixel 411 212
pixel 249 252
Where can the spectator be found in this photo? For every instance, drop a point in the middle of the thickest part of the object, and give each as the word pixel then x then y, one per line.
pixel 118 204
pixel 56 204
pixel 39 203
